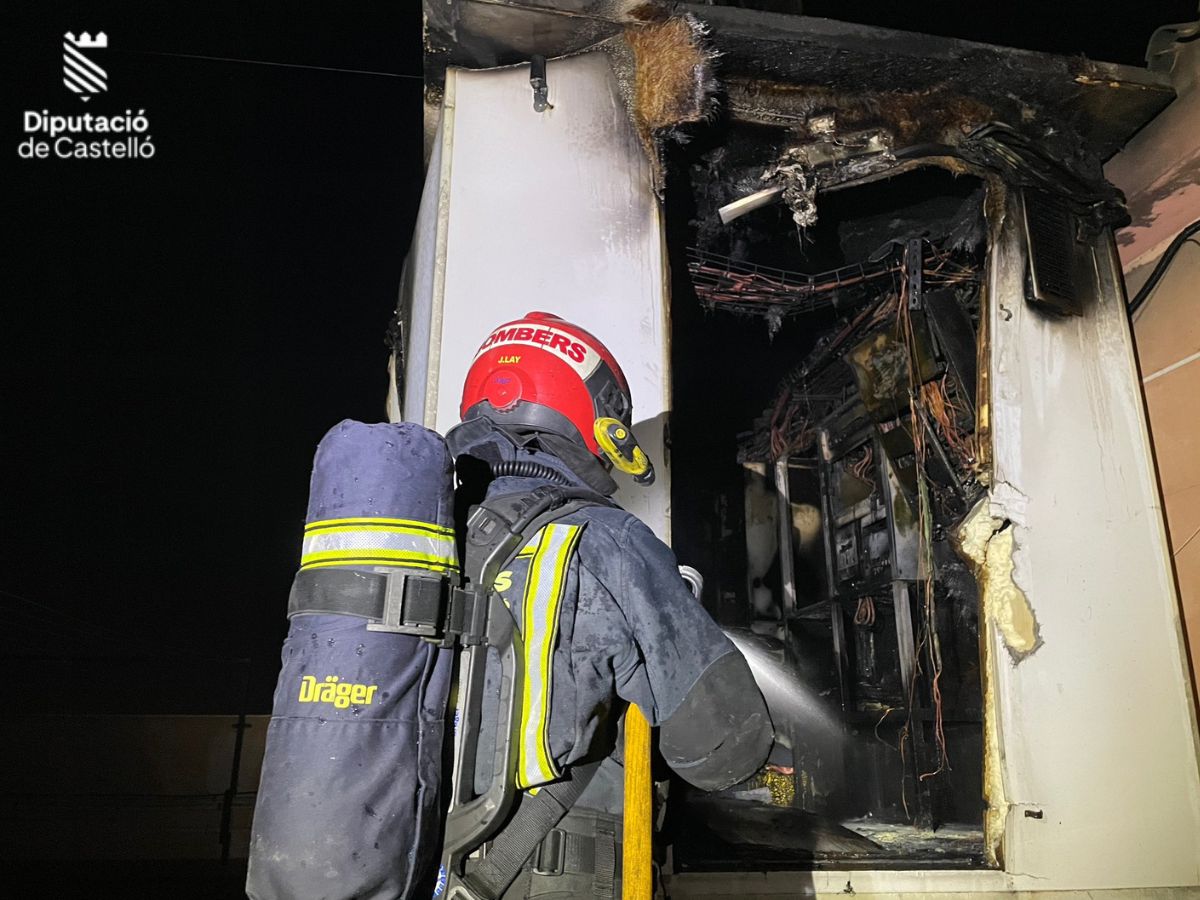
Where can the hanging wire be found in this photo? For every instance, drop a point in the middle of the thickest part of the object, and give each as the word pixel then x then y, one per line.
pixel 281 65
pixel 1164 263
pixel 930 642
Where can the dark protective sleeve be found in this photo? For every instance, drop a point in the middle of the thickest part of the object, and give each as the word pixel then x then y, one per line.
pixel 722 732
pixel 688 677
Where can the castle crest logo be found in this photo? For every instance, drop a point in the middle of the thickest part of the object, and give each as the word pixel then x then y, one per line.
pixel 81 73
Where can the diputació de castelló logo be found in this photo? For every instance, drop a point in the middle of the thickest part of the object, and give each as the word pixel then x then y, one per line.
pixel 122 135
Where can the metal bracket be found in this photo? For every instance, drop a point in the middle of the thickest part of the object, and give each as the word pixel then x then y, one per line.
pixel 468 617
pixel 541 87
pixel 914 269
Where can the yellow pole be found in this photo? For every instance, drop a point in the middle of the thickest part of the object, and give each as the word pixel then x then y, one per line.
pixel 637 876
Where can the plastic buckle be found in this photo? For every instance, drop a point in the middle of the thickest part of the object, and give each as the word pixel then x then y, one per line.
pixel 393 605
pixel 551 855
pixel 468 615
pixel 411 607
pixel 483 524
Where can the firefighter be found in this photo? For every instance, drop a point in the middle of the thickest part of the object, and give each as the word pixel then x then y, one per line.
pixel 605 616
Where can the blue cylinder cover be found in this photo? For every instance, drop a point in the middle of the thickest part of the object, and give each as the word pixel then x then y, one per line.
pixel 348 803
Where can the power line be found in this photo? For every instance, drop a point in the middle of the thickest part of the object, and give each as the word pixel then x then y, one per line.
pixel 55 617
pixel 263 62
pixel 46 606
pixel 27 616
pixel 59 615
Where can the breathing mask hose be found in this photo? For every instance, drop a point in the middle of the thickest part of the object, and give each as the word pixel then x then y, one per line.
pixel 528 468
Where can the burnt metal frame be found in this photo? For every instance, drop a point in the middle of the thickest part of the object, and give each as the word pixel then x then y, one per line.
pixel 902 593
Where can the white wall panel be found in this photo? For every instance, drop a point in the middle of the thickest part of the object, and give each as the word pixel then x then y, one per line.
pixel 1096 724
pixel 422 288
pixel 553 211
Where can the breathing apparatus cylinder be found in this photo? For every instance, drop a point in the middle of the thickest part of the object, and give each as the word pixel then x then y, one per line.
pixel 348 798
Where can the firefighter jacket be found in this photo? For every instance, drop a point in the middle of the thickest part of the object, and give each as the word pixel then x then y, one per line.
pixel 606 620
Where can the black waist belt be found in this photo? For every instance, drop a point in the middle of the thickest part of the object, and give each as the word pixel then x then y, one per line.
pixel 401 602
pixel 565 852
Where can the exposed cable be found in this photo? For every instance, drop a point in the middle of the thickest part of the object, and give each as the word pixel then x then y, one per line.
pixel 864 613
pixel 1164 263
pixel 930 641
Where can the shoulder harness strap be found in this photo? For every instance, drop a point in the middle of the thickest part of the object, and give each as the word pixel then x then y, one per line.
pixel 496 531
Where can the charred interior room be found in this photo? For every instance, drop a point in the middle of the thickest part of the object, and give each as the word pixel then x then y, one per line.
pixel 825 482
pixel 829 254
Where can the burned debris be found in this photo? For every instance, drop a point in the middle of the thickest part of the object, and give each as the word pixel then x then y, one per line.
pixel 868 432
pixel 837 242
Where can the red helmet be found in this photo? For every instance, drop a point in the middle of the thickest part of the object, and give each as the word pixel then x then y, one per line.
pixel 545 374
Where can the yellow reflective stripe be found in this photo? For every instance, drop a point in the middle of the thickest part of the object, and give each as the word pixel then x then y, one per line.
pixel 382 545
pixel 530 768
pixel 387 529
pixel 530 548
pixel 382 521
pixel 372 561
pixel 379 553
pixel 544 589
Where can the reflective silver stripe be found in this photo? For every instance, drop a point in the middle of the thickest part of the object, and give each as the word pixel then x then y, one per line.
pixel 544 588
pixel 377 545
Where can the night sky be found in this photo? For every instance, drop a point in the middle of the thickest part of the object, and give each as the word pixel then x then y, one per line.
pixel 179 332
